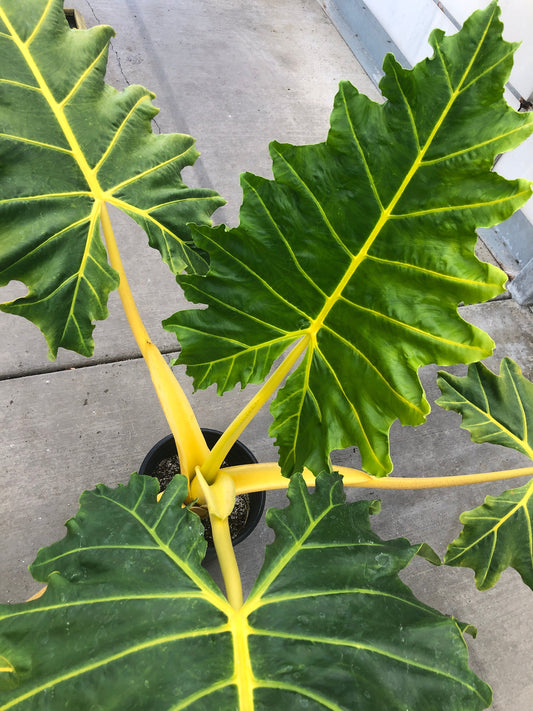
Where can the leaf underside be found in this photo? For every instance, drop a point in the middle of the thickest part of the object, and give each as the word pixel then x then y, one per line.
pixel 328 623
pixel 69 142
pixel 363 246
pixel 496 409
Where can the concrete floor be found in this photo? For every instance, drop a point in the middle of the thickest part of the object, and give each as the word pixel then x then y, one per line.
pixel 235 75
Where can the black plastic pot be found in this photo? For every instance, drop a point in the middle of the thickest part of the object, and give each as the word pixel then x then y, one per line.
pixel 239 454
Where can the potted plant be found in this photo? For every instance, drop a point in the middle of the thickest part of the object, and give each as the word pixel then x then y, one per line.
pixel 341 280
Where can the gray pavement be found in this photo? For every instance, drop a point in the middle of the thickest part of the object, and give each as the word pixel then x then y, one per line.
pixel 235 75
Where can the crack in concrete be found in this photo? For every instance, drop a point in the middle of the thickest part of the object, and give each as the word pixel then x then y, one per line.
pixel 93 12
pixel 118 60
pixel 170 352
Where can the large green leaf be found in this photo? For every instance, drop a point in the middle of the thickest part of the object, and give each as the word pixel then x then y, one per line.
pixel 68 142
pixel 363 246
pixel 496 409
pixel 130 620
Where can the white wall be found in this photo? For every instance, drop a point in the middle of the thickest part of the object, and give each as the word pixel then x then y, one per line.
pixel 409 22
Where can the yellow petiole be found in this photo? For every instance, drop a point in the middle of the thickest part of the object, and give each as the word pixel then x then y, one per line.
pixel 220 498
pixel 230 436
pixel 190 442
pixel 267 476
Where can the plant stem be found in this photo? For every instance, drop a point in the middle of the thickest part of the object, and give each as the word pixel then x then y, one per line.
pixel 220 498
pixel 190 442
pixel 435 482
pixel 227 560
pixel 217 455
pixel 267 476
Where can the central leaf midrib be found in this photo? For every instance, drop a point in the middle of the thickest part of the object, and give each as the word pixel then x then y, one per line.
pixel 238 620
pixel 243 676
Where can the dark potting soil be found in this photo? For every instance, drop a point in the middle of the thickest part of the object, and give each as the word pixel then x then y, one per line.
pixel 169 467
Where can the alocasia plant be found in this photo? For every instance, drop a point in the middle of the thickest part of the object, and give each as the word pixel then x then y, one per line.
pixel 347 268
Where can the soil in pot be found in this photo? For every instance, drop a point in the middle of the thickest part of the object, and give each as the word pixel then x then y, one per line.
pixel 169 467
pixel 162 462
